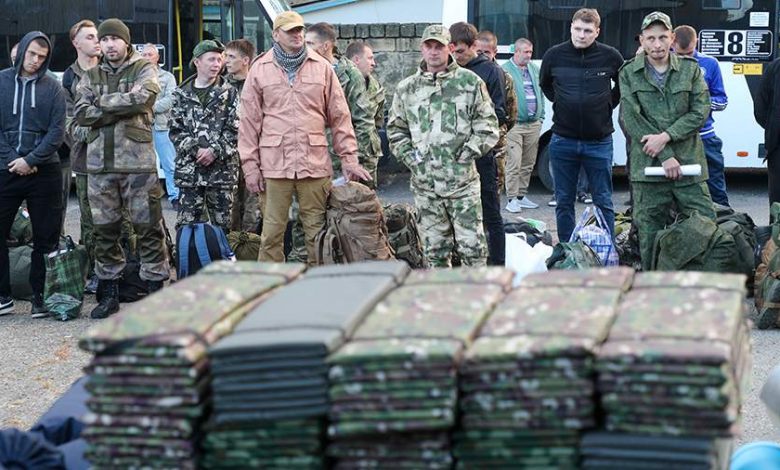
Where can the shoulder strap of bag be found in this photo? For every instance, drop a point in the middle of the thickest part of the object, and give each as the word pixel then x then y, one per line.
pixel 601 221
pixel 575 234
pixel 201 246
pixel 184 251
pixel 224 244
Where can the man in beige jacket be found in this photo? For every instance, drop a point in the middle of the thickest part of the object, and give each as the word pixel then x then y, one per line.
pixel 290 96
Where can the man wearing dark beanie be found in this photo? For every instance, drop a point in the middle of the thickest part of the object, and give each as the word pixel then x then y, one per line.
pixel 115 100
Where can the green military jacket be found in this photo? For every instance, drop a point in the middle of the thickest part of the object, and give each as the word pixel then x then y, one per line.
pixel 117 106
pixel 354 86
pixel 679 109
pixel 439 124
pixel 214 125
pixel 376 96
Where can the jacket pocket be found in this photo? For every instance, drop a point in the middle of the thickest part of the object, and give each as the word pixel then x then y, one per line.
pixel 138 134
pixel 318 140
pixel 270 140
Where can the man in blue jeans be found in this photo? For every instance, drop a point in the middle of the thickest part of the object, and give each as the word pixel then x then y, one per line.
pixel 580 78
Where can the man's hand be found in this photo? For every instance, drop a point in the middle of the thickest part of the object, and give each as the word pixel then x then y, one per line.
pixel 355 173
pixel 205 157
pixel 655 143
pixel 20 167
pixel 255 183
pixel 672 169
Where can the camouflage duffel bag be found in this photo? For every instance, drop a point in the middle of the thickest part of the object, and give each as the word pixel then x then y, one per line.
pixel 573 255
pixel 245 245
pixel 403 235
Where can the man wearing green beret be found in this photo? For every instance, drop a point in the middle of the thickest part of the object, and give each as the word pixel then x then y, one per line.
pixel 204 129
pixel 115 101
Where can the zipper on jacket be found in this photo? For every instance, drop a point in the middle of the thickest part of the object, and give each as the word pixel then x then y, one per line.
pixel 582 94
pixel 21 117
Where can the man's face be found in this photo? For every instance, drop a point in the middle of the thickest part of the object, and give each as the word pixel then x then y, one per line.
pixel 235 62
pixel 687 51
pixel 487 48
pixel 150 53
pixel 462 53
pixel 656 40
pixel 86 42
pixel 583 34
pixel 435 54
pixel 209 65
pixel 14 50
pixel 523 54
pixel 34 58
pixel 365 62
pixel 291 41
pixel 114 48
pixel 319 46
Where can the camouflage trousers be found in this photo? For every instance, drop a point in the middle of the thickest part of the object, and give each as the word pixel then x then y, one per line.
pixel 138 195
pixel 652 203
pixel 452 224
pixel 244 214
pixel 85 221
pixel 205 204
pixel 499 152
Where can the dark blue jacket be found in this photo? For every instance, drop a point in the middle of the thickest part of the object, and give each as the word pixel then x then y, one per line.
pixel 32 111
pixel 493 76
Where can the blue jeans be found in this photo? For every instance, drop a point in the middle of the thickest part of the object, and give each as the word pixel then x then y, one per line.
pixel 166 152
pixel 567 157
pixel 713 150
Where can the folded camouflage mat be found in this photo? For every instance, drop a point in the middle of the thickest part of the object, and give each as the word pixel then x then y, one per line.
pixel 620 278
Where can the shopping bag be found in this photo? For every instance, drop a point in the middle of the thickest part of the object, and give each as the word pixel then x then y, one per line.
pixel 66 272
pixel 597 236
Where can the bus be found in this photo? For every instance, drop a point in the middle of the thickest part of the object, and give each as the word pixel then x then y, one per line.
pixel 741 34
pixel 175 26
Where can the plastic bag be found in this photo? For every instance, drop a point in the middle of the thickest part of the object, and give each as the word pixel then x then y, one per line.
pixel 523 258
pixel 597 236
pixel 63 307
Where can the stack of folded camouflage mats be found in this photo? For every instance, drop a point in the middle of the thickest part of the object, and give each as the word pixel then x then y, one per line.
pixel 149 377
pixel 527 382
pixel 676 363
pixel 393 387
pixel 270 376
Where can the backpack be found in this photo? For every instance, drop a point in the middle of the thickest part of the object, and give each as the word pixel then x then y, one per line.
pixel 574 255
pixel 402 233
pixel 354 228
pixel 246 245
pixel 20 261
pixel 742 229
pixel 767 277
pixel 199 244
pixel 596 235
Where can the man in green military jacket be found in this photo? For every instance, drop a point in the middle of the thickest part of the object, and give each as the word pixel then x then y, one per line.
pixel 664 101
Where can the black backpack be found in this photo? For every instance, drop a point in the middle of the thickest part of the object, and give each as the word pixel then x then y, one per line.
pixel 198 244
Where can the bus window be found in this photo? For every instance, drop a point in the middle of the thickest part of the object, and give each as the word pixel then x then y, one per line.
pixel 721 4
pixel 256 29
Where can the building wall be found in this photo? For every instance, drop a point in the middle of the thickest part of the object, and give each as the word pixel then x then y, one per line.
pixel 376 11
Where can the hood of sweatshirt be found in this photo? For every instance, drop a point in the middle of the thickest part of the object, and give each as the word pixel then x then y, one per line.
pixel 21 51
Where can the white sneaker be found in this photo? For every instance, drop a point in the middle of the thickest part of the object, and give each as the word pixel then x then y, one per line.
pixel 526 203
pixel 552 203
pixel 514 206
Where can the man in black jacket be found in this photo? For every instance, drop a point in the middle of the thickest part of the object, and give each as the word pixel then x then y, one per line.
pixel 32 128
pixel 767 113
pixel 580 78
pixel 464 51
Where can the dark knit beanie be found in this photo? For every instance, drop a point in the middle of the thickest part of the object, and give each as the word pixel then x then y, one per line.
pixel 114 27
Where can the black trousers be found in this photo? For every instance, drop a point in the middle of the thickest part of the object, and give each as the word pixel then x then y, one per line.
pixel 43 193
pixel 773 171
pixel 491 209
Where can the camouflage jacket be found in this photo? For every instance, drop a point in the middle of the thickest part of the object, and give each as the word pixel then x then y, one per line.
pixel 376 96
pixel 510 106
pixel 75 135
pixel 360 107
pixel 117 106
pixel 215 126
pixel 439 124
pixel 679 109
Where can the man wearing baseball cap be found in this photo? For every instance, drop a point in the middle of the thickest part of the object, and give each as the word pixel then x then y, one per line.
pixel 664 101
pixel 115 101
pixel 204 129
pixel 289 98
pixel 442 120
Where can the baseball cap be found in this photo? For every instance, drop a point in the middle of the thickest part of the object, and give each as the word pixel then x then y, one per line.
pixel 288 20
pixel 657 17
pixel 438 33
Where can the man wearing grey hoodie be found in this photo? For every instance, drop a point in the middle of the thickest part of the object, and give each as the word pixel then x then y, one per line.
pixel 32 128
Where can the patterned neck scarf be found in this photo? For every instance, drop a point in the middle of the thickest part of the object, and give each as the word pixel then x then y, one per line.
pixel 289 62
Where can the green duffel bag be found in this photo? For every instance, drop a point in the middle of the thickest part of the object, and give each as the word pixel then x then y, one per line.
pixel 21 229
pixel 574 255
pixel 19 261
pixel 245 245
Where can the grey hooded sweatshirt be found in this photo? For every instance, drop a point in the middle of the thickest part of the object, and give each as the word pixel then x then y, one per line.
pixel 32 111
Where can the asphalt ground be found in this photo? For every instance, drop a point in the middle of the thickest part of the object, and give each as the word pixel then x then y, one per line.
pixel 40 358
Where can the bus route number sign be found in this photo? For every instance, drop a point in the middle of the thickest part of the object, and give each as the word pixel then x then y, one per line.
pixel 750 43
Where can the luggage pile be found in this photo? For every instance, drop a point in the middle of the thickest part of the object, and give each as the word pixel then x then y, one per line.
pixel 149 377
pixel 527 382
pixel 270 388
pixel 678 357
pixel 393 387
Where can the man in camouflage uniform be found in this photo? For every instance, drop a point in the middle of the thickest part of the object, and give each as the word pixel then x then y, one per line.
pixel 204 129
pixel 115 100
pixel 441 121
pixel 664 101
pixel 487 45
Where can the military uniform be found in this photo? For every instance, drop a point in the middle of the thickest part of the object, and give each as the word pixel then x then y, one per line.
pixel 510 107
pixel 212 124
pixel 116 106
pixel 679 108
pixel 376 97
pixel 245 213
pixel 439 124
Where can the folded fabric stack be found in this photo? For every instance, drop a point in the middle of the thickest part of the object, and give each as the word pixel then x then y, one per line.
pixel 678 356
pixel 527 381
pixel 611 451
pixel 393 387
pixel 149 378
pixel 270 376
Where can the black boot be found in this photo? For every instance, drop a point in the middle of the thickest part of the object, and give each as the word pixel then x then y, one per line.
pixel 108 295
pixel 153 286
